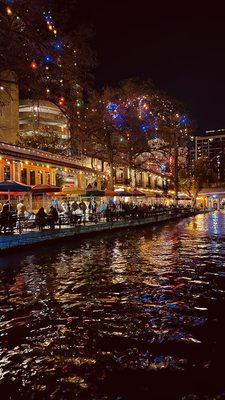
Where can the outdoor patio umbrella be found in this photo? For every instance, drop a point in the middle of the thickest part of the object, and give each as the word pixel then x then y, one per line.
pixel 123 193
pixel 72 191
pixel 13 187
pixel 137 193
pixel 110 193
pixel 41 189
pixel 94 193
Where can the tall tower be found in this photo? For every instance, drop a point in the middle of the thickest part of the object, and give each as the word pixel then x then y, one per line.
pixel 9 107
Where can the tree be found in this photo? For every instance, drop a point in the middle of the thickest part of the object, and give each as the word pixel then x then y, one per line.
pixel 137 126
pixel 100 133
pixel 47 141
pixel 193 180
pixel 51 62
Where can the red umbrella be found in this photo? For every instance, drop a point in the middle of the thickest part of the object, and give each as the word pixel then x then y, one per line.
pixel 123 193
pixel 40 189
pixel 110 193
pixel 137 192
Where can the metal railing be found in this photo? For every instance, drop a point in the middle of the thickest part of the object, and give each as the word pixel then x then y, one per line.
pixel 14 224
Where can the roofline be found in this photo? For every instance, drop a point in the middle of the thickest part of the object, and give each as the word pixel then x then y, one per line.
pixel 41 156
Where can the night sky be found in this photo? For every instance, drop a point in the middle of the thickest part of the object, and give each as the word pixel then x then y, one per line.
pixel 182 49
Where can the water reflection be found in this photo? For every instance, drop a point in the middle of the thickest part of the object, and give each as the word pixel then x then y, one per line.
pixel 136 314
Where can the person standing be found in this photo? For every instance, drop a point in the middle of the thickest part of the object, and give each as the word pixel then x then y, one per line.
pixel 55 203
pixel 83 206
pixel 5 216
pixel 21 208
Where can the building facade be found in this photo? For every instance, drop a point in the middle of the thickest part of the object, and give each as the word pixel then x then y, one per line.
pixel 40 116
pixel 33 167
pixel 9 107
pixel 210 145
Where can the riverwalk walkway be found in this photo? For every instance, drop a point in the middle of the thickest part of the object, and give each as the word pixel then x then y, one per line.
pixel 30 238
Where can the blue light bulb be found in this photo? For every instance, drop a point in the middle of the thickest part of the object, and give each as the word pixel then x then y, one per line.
pixel 112 107
pixel 144 127
pixel 47 58
pixel 58 45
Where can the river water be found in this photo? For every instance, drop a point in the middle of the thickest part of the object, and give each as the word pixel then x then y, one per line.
pixel 138 314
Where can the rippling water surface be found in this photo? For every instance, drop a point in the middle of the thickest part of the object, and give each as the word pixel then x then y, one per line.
pixel 138 314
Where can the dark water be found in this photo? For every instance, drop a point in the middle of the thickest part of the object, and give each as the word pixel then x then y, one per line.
pixel 133 315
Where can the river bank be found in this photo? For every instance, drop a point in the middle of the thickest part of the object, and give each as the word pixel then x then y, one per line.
pixel 37 238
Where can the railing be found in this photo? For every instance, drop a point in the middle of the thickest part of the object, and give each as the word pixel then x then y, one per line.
pixel 14 224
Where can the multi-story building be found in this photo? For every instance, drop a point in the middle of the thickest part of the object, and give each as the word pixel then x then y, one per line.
pixel 33 166
pixel 40 116
pixel 9 107
pixel 210 145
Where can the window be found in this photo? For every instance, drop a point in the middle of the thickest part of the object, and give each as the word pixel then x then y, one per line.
pixel 7 173
pixel 48 178
pixel 32 177
pixel 40 177
pixel 24 176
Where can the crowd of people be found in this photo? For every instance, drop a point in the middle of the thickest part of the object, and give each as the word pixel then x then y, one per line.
pixel 94 211
pixel 12 216
pixel 74 212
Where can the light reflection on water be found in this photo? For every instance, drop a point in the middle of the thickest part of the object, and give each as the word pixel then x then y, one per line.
pixel 137 314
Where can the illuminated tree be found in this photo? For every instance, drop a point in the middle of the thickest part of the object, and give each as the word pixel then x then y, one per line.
pixel 100 135
pixel 47 141
pixel 137 126
pixel 199 175
pixel 50 62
